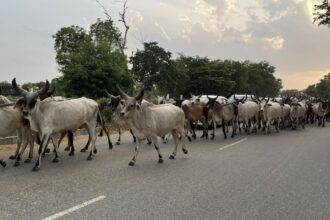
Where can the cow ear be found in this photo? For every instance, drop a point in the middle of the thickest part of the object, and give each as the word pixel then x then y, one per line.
pixel 19 103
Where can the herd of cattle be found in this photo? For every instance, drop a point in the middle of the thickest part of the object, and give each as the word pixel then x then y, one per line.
pixel 39 117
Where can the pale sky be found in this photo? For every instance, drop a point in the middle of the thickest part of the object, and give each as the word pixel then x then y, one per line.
pixel 278 31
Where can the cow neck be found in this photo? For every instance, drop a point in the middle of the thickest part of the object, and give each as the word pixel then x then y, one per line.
pixel 35 116
pixel 138 118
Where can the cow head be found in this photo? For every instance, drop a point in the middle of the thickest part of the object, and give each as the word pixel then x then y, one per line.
pixel 130 104
pixel 29 99
pixel 113 101
pixel 242 100
pixel 195 98
pixel 210 104
pixel 161 100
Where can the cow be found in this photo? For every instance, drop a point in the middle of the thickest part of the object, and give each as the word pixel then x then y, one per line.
pixel 248 113
pixel 225 113
pixel 49 117
pixel 320 109
pixel 271 112
pixel 151 121
pixel 196 111
pixel 116 105
pixel 297 114
pixel 165 100
pixel 12 121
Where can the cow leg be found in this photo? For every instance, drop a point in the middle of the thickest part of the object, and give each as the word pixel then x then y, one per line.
pixel 224 129
pixel 133 161
pixel 184 148
pixel 3 163
pixel 234 127
pixel 160 157
pixel 70 143
pixel 176 143
pixel 44 142
pixel 69 136
pixel 56 160
pixel 92 133
pixel 19 143
pixel 31 140
pixel 206 129
pixel 192 127
pixel 105 129
pixel 87 145
pixel 323 121
pixel 19 156
pixel 119 136
pixel 134 138
pixel 214 126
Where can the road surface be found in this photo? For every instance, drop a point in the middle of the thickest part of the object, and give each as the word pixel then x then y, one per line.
pixel 284 175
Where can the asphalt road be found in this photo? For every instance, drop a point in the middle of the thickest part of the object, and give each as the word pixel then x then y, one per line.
pixel 284 175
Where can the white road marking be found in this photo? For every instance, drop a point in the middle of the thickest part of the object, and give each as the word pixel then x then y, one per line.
pixel 75 208
pixel 232 144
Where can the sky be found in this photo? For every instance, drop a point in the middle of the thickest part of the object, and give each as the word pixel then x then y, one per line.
pixel 278 31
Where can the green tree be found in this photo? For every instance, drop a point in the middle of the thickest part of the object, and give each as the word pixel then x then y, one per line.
pixel 311 91
pixel 322 13
pixel 323 88
pixel 90 62
pixel 152 65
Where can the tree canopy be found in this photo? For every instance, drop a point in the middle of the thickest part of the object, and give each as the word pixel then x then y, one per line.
pixel 199 75
pixel 320 90
pixel 322 13
pixel 90 62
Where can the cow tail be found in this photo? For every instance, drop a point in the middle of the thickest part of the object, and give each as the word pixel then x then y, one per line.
pixel 104 128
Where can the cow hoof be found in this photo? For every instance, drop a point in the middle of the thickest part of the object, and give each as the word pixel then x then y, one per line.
pixel 27 160
pixel 83 150
pixel 16 164
pixel 47 151
pixel 131 163
pixel 35 169
pixel 12 157
pixel 160 160
pixel 55 160
pixel 71 154
pixel 118 143
pixel 189 139
pixel 185 151
pixel 3 164
pixel 89 157
pixel 95 151
pixel 67 148
pixel 171 157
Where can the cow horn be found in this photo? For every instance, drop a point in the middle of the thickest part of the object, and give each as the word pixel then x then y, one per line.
pixel 139 97
pixel 51 91
pixel 18 89
pixel 44 90
pixel 267 100
pixel 122 93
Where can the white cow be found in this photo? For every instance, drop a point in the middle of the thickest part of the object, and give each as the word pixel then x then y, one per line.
pixel 298 114
pixel 152 121
pixel 12 122
pixel 271 112
pixel 248 113
pixel 50 117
